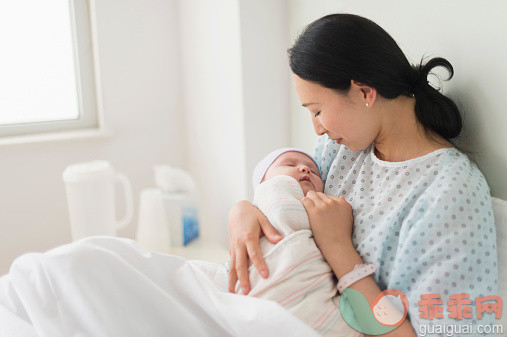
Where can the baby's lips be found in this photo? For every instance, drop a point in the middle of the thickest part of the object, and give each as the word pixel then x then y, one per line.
pixel 307 179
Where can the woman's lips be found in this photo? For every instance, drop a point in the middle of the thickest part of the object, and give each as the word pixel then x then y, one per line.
pixel 339 140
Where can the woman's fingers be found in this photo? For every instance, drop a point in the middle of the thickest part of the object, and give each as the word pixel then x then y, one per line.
pixel 307 203
pixel 324 197
pixel 245 225
pixel 254 252
pixel 329 197
pixel 269 231
pixel 233 276
pixel 242 270
pixel 315 198
pixel 336 198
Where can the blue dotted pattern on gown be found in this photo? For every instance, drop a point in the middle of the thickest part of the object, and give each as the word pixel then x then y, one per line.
pixel 427 223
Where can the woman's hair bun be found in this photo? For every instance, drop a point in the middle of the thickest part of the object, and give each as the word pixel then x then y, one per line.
pixel 434 110
pixel 421 72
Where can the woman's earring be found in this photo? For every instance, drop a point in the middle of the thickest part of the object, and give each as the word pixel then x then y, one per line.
pixel 366 104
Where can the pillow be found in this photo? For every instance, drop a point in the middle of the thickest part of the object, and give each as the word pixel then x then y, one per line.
pixel 500 211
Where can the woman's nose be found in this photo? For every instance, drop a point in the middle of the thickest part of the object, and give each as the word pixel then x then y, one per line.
pixel 319 129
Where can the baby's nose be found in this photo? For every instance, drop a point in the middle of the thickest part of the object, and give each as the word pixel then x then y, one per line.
pixel 304 169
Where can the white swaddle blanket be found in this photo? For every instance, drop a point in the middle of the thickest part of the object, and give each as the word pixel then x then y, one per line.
pixel 299 279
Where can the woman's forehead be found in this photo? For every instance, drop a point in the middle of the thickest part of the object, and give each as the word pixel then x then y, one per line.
pixel 309 92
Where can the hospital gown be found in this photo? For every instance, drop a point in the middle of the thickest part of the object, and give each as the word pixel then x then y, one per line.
pixel 427 223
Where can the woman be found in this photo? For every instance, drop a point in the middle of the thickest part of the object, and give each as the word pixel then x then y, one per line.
pixel 415 207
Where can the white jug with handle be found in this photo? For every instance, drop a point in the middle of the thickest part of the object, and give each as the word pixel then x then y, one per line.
pixel 90 188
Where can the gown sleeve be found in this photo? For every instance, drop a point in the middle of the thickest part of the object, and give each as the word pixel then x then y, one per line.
pixel 447 247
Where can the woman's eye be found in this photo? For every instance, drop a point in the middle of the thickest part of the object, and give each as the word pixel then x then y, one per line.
pixel 318 113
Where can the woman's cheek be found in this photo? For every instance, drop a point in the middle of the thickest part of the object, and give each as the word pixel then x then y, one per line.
pixel 330 123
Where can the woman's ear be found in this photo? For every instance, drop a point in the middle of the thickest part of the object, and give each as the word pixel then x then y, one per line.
pixel 367 94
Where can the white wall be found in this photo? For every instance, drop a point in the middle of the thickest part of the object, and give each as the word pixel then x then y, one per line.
pixel 469 34
pixel 235 84
pixel 266 79
pixel 212 91
pixel 143 107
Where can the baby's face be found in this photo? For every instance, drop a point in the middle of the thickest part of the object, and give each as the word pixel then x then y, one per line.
pixel 300 167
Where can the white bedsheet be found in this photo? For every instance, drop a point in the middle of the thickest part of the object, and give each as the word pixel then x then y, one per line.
pixel 106 286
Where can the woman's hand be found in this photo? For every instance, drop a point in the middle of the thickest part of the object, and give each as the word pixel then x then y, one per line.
pixel 330 218
pixel 246 224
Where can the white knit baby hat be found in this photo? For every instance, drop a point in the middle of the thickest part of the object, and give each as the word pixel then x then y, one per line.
pixel 261 168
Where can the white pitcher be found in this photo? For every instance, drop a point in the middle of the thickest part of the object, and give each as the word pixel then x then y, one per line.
pixel 90 188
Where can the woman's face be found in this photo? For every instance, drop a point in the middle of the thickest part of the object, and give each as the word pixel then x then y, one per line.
pixel 343 117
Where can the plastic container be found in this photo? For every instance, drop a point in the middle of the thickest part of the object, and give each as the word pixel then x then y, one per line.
pixel 90 189
pixel 152 228
pixel 180 202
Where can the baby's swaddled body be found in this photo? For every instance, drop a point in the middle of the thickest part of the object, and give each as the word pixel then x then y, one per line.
pixel 299 277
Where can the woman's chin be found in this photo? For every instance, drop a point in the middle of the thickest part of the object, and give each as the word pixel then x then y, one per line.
pixel 356 148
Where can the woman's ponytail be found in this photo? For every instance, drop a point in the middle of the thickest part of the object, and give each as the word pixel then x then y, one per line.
pixel 434 110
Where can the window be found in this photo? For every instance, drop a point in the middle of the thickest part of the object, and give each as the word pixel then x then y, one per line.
pixel 48 81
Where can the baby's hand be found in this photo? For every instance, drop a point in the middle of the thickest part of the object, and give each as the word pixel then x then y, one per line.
pixel 330 218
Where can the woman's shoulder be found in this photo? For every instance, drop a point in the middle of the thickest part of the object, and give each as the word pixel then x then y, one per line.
pixel 456 204
pixel 459 185
pixel 461 173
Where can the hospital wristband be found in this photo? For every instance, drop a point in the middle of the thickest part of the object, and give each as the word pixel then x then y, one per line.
pixel 359 272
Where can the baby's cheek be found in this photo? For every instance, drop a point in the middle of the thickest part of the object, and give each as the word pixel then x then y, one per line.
pixel 306 188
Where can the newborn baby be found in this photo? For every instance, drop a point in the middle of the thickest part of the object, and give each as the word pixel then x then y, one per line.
pixel 300 279
pixel 291 175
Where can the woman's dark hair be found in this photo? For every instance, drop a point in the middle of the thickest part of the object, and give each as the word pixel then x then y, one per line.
pixel 339 48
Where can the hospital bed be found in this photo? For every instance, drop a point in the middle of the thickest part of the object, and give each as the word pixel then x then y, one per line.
pixel 71 292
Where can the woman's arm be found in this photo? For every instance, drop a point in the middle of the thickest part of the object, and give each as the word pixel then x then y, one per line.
pixel 246 225
pixel 342 258
pixel 331 220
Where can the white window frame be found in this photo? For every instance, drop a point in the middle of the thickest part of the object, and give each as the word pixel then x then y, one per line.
pixel 88 82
